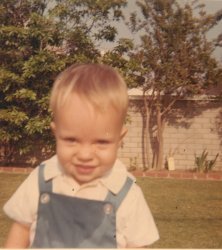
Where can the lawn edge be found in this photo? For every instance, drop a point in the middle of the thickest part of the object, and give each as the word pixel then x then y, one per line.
pixel 173 174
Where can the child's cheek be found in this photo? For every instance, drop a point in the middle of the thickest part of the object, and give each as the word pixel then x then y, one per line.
pixel 65 151
pixel 107 154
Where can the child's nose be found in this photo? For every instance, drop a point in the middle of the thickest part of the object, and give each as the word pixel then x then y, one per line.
pixel 85 152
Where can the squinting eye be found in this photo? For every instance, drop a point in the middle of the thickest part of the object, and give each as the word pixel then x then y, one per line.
pixel 72 140
pixel 103 142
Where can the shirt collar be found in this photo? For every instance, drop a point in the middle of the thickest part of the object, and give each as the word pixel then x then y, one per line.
pixel 112 180
pixel 116 177
pixel 53 168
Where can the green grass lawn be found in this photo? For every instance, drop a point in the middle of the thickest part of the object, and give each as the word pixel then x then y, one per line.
pixel 8 184
pixel 188 213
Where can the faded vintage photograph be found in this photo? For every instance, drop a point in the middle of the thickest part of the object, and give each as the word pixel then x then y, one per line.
pixel 111 124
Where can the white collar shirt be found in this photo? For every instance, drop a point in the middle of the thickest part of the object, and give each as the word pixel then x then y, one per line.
pixel 133 213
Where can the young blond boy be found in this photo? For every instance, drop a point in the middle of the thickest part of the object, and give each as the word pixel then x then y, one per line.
pixel 83 197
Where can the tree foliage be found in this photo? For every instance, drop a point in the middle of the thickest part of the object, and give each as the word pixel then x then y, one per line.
pixel 38 39
pixel 174 61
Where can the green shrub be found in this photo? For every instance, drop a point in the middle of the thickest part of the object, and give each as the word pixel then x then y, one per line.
pixel 204 165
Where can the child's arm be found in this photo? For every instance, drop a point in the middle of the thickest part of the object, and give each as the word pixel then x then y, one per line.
pixel 18 236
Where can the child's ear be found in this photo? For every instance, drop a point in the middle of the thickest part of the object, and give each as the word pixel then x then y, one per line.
pixel 123 132
pixel 122 135
pixel 53 127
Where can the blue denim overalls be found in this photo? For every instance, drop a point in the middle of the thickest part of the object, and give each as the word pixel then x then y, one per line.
pixel 69 222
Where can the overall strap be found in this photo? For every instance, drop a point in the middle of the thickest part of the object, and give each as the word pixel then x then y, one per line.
pixel 44 186
pixel 118 198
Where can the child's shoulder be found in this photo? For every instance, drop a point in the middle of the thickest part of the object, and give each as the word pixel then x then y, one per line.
pixel 135 193
pixel 48 165
pixel 50 162
pixel 135 189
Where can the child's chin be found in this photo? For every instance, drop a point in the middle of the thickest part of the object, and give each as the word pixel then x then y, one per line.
pixel 85 178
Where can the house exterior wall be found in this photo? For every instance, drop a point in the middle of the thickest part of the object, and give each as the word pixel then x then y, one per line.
pixel 192 127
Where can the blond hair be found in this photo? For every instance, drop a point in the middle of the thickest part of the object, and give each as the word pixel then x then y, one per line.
pixel 101 85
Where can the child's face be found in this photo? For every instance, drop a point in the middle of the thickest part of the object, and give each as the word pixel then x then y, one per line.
pixel 87 139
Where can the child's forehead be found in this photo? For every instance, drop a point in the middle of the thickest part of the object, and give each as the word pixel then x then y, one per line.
pixel 78 107
pixel 96 103
pixel 93 109
pixel 82 114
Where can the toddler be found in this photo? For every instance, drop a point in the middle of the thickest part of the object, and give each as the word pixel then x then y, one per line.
pixel 83 197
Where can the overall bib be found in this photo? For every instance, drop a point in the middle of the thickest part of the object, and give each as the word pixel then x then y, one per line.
pixel 69 222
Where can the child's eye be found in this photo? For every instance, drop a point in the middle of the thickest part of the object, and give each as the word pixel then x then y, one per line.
pixel 70 139
pixel 103 142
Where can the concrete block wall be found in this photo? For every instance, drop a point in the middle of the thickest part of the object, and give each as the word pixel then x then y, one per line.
pixel 131 152
pixel 184 137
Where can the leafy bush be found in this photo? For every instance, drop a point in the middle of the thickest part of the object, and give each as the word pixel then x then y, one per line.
pixel 204 165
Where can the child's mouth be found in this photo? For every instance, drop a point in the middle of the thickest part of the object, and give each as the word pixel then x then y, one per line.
pixel 84 169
